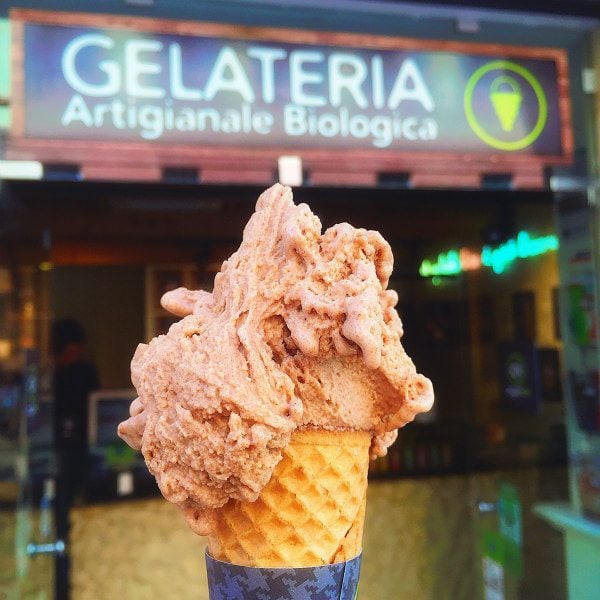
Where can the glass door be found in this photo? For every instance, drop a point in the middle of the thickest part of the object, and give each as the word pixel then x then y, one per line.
pixel 492 345
pixel 28 544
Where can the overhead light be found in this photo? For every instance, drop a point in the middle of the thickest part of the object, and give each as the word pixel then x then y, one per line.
pixel 46 266
pixel 6 281
pixel 139 2
pixel 290 170
pixel 5 348
pixel 566 183
pixel 467 25
pixel 589 83
pixel 21 169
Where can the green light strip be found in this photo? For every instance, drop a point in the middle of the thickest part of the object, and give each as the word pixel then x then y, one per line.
pixel 498 258
pixel 5 54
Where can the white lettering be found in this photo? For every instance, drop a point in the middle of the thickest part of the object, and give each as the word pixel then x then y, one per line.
pixel 71 75
pixel 77 110
pixel 428 130
pixel 151 121
pixel 185 120
pixel 237 81
pixel 169 114
pixel 178 89
pixel 246 118
pixel 135 67
pixel 359 126
pixel 100 111
pixel 118 108
pixel 347 72
pixel 294 120
pixel 231 121
pixel 299 77
pixel 377 81
pixel 381 129
pixel 208 114
pixel 328 125
pixel 267 58
pixel 409 128
pixel 262 122
pixel 409 85
pixel 131 114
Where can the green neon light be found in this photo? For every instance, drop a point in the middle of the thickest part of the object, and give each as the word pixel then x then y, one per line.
pixel 498 258
pixel 524 246
pixel 447 263
pixel 5 53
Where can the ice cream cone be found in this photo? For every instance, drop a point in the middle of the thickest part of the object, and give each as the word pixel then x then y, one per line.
pixel 310 513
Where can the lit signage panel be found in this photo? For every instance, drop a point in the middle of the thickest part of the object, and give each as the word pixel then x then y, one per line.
pixel 86 83
pixel 497 258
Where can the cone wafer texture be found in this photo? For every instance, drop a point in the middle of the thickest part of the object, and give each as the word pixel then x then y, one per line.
pixel 310 513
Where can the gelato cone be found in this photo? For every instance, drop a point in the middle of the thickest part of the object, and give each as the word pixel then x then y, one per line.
pixel 259 409
pixel 310 513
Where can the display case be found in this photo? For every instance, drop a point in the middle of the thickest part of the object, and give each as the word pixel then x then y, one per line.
pixel 115 471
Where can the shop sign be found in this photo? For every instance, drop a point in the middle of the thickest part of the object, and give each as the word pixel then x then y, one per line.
pixel 222 86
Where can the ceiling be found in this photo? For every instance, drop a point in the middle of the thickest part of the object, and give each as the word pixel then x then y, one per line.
pixel 580 8
pixel 137 223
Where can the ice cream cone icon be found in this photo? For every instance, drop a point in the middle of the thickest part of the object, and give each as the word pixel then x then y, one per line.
pixel 506 98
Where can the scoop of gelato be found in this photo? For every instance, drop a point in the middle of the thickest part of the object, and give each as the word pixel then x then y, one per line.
pixel 299 332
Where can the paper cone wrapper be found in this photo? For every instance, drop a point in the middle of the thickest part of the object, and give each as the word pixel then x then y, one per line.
pixel 338 581
pixel 310 513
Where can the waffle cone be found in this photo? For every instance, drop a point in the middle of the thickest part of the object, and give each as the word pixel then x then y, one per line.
pixel 310 513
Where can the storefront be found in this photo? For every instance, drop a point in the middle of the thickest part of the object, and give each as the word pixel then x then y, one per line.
pixel 152 139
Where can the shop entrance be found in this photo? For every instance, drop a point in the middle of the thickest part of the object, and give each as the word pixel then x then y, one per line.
pixel 474 316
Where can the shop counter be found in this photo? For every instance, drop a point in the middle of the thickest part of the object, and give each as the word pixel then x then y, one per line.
pixel 582 545
pixel 422 540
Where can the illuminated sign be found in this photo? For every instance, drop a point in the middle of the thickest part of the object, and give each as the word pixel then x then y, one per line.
pixel 270 90
pixel 524 246
pixel 503 81
pixel 452 262
pixel 498 258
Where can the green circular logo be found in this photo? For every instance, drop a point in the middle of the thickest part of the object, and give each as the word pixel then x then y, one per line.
pixel 506 97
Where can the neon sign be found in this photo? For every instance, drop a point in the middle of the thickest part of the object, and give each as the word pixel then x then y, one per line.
pixel 498 258
pixel 452 262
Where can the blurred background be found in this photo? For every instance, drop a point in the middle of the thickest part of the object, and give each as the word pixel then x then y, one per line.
pixel 135 137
